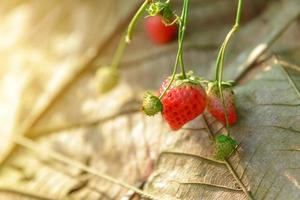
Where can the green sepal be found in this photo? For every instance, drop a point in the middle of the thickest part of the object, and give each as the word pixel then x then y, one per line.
pixel 224 84
pixel 162 9
pixel 189 79
pixel 151 104
pixel 212 87
pixel 156 8
pixel 224 146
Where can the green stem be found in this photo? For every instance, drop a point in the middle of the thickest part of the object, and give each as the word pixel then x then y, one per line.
pixel 126 38
pixel 179 56
pixel 239 12
pixel 223 51
pixel 225 110
pixel 134 21
pixel 119 53
pixel 183 23
pixel 218 63
pixel 221 56
pixel 172 78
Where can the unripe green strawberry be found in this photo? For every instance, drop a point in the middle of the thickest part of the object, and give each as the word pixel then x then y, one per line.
pixel 106 78
pixel 224 146
pixel 151 104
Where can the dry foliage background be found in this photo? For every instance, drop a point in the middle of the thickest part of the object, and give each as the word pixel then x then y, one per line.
pixel 58 135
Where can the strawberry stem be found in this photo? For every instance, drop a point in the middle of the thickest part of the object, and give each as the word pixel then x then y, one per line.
pixel 221 56
pixel 134 20
pixel 182 27
pixel 119 52
pixel 179 56
pixel 126 37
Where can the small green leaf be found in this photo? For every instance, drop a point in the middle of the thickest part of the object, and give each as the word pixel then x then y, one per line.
pixel 224 146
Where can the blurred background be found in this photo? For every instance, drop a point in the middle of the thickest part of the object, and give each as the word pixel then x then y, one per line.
pixel 49 53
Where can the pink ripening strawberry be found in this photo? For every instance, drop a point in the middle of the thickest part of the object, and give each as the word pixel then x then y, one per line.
pixel 183 101
pixel 215 106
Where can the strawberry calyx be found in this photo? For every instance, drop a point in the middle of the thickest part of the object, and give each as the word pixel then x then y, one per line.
pixel 226 87
pixel 212 86
pixel 224 146
pixel 162 9
pixel 189 78
pixel 180 80
pixel 151 104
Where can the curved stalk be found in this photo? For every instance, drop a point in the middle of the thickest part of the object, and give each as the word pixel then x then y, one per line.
pixel 221 56
pixel 179 56
pixel 134 21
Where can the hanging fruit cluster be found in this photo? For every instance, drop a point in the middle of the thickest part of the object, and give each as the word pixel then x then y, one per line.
pixel 182 96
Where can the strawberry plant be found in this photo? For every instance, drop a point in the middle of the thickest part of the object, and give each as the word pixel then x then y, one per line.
pixel 182 96
pixel 206 137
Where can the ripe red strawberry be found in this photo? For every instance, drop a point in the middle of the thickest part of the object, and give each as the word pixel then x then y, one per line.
pixel 183 102
pixel 158 31
pixel 215 105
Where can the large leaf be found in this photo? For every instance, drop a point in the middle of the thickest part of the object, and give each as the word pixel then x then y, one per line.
pixel 267 161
